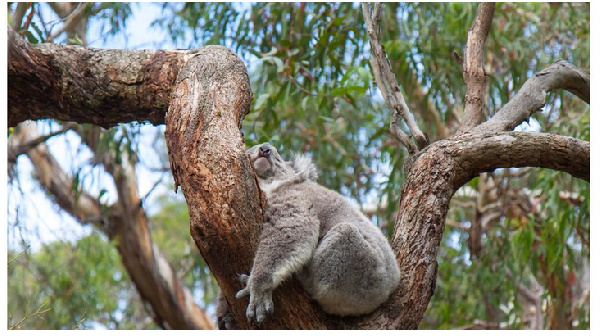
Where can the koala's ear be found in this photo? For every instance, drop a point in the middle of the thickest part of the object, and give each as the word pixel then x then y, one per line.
pixel 304 166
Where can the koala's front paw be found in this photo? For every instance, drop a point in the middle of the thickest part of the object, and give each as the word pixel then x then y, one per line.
pixel 261 302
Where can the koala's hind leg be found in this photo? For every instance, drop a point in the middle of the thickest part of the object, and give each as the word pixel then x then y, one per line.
pixel 346 274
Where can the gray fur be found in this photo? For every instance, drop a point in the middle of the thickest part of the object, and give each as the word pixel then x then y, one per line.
pixel 343 261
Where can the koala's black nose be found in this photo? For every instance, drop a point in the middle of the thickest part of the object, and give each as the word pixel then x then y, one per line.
pixel 264 150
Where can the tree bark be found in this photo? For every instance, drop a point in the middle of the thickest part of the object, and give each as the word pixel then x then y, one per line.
pixel 209 99
pixel 207 155
pixel 473 67
pixel 434 177
pixel 531 97
pixel 87 85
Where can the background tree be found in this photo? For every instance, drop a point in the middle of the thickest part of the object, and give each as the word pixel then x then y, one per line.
pixel 320 99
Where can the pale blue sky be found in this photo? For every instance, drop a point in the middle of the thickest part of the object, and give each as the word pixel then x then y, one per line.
pixel 39 219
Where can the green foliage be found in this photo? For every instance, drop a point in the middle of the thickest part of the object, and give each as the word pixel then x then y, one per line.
pixel 79 283
pixel 314 93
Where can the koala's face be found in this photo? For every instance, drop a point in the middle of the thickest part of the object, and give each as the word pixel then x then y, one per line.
pixel 265 160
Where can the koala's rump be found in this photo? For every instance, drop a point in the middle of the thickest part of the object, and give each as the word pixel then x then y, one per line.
pixel 353 269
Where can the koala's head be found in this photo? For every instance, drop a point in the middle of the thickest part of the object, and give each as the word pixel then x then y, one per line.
pixel 266 162
pixel 269 166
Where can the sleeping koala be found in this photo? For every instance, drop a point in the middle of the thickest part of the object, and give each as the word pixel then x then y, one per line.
pixel 342 260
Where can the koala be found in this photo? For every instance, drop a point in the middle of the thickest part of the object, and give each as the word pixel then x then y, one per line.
pixel 342 260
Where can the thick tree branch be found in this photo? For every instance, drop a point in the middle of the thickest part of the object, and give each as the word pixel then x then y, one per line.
pixel 125 223
pixel 87 85
pixel 526 149
pixel 437 172
pixel 473 68
pixel 83 206
pixel 531 97
pixel 172 302
pixel 208 160
pixel 207 157
pixel 386 81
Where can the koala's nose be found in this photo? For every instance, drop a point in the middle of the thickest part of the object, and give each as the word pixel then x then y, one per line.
pixel 264 150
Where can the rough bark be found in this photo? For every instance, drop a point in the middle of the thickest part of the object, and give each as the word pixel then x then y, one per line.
pixel 208 160
pixel 206 151
pixel 87 85
pixel 149 269
pixel 473 70
pixel 436 174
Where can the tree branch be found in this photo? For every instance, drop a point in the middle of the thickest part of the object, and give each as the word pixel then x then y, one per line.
pixel 436 174
pixel 386 81
pixel 70 20
pixel 525 149
pixel 531 97
pixel 19 13
pixel 473 69
pixel 153 274
pixel 148 267
pixel 15 149
pixel 86 85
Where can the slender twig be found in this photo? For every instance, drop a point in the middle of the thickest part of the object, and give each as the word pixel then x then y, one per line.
pixel 38 312
pixel 386 81
pixel 15 150
pixel 29 18
pixel 473 70
pixel 19 13
pixel 70 20
pixel 76 326
pixel 18 256
pixel 156 184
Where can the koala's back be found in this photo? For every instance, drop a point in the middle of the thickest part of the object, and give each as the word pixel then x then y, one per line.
pixel 353 269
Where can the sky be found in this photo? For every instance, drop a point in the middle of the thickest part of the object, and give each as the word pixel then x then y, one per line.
pixel 31 215
pixel 39 219
pixel 42 217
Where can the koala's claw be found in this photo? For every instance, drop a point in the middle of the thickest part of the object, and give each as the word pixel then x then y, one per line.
pixel 246 291
pixel 244 278
pixel 261 303
pixel 259 307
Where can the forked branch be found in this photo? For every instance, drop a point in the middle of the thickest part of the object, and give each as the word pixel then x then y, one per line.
pixel 473 70
pixel 386 81
pixel 531 97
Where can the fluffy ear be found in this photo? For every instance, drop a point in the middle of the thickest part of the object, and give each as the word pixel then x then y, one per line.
pixel 304 167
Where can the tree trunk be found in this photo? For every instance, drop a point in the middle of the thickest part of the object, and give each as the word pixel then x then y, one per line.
pixel 124 223
pixel 209 99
